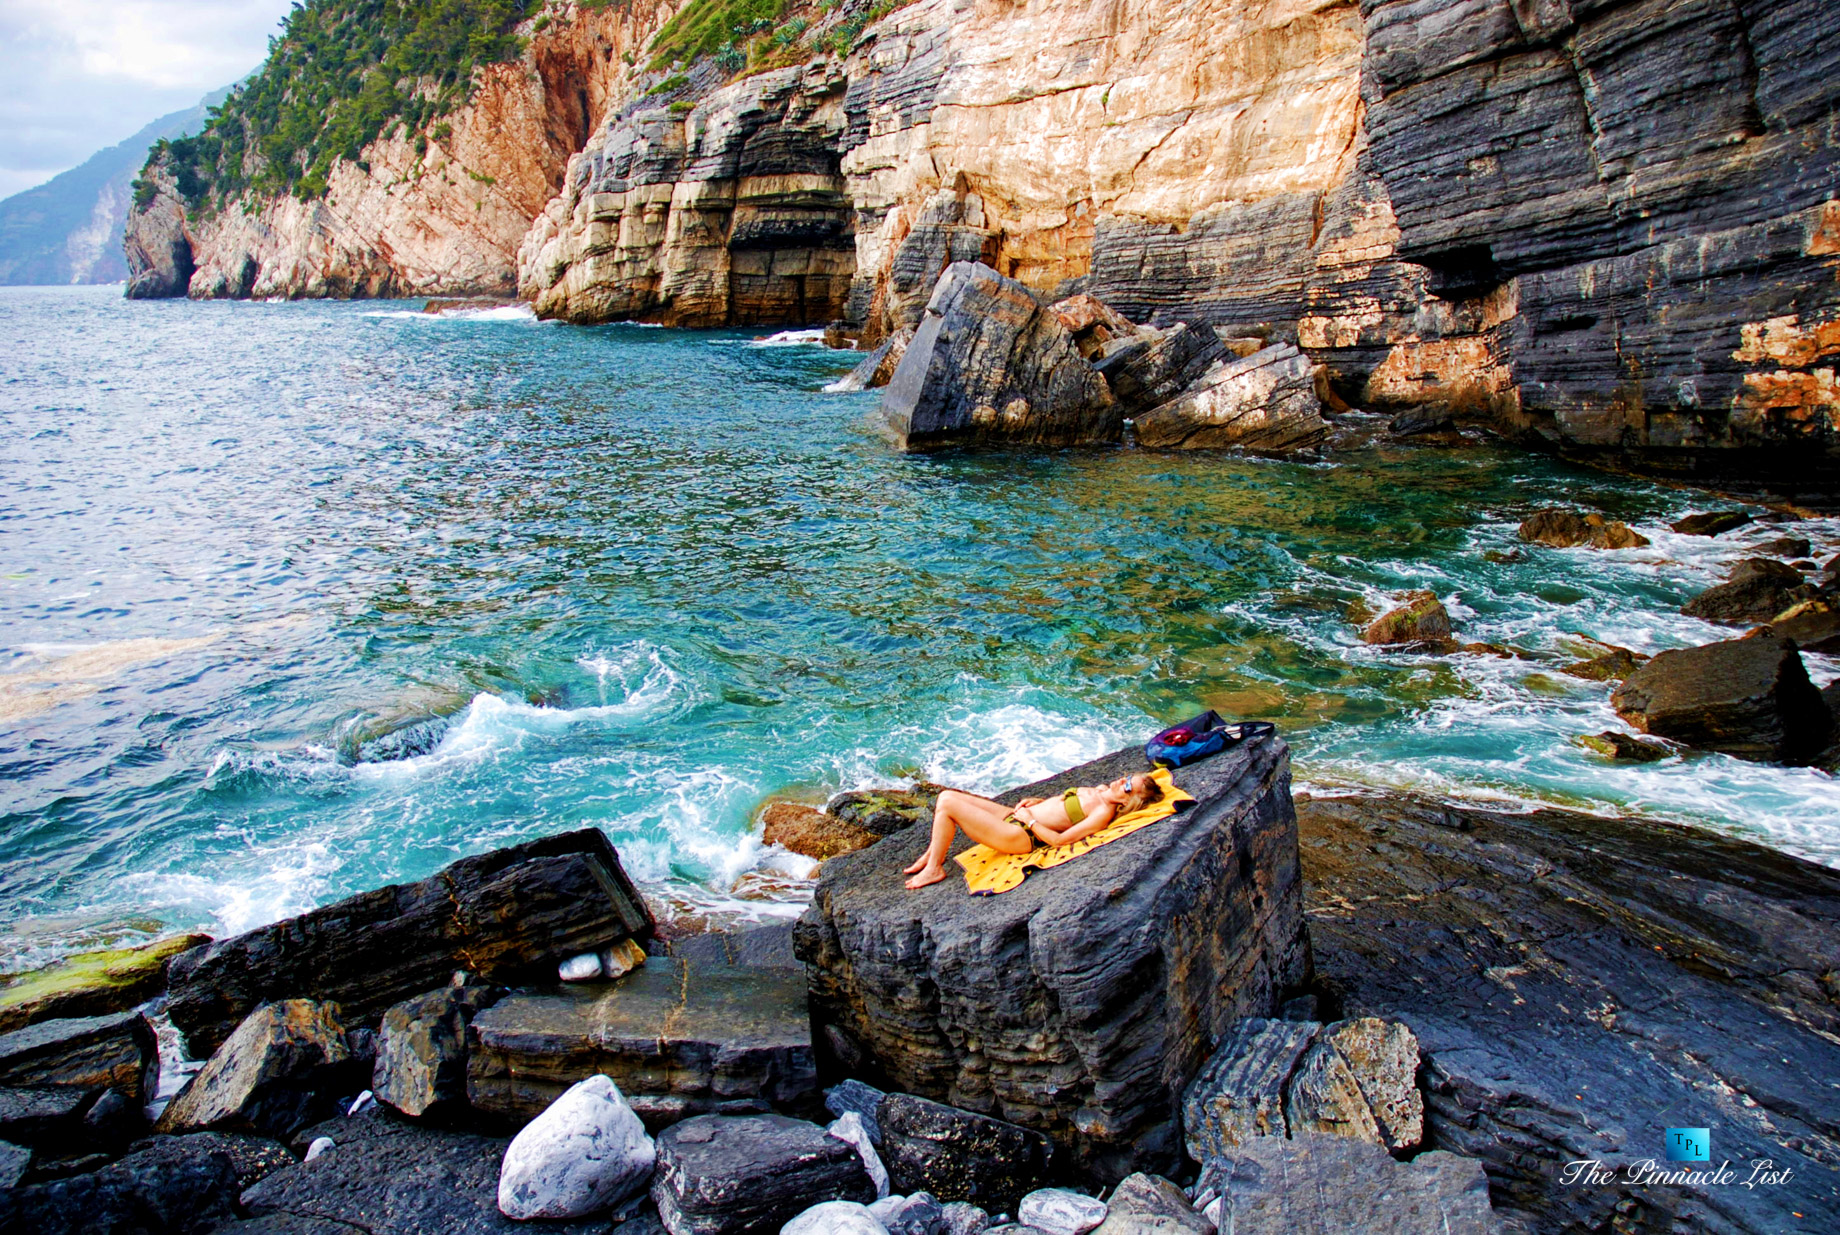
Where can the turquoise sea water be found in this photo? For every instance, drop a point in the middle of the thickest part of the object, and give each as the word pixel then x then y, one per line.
pixel 642 579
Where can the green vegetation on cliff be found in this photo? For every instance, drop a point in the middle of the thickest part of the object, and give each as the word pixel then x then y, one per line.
pixel 341 73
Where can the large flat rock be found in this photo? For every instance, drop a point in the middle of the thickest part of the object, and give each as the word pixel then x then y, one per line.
pixel 88 1052
pixel 1081 1002
pixel 503 916
pixel 1579 985
pixel 679 1037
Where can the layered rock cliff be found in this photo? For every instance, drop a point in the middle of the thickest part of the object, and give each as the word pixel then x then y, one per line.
pixel 1608 226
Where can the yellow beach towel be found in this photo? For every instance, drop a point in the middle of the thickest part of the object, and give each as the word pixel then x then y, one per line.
pixel 988 872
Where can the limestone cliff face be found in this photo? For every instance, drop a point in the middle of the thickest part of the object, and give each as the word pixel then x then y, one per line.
pixel 444 222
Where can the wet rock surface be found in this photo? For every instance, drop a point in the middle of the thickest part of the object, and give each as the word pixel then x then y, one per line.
pixel 92 983
pixel 988 363
pixel 960 1156
pixel 89 1052
pixel 1757 591
pixel 1422 619
pixel 720 1175
pixel 1746 697
pixel 885 811
pixel 1565 529
pixel 812 832
pixel 680 1036
pixel 1092 991
pixel 1579 984
pixel 504 915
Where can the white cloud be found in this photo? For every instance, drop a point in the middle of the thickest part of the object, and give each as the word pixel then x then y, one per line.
pixel 78 75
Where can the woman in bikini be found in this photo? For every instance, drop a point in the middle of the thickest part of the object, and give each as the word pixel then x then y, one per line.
pixel 1030 824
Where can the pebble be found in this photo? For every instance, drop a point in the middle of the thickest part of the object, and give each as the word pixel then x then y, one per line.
pixel 1060 1211
pixel 835 1218
pixel 319 1146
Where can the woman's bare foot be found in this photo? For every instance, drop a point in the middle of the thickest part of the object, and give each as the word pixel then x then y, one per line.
pixel 919 864
pixel 930 875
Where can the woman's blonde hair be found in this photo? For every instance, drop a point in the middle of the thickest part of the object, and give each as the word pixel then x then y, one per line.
pixel 1135 799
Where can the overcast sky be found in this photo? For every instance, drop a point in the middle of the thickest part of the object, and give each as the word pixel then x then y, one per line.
pixel 78 75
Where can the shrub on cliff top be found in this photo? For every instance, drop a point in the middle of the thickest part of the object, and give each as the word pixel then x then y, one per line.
pixel 340 74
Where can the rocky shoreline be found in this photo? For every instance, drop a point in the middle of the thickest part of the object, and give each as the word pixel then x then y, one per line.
pixel 1335 1011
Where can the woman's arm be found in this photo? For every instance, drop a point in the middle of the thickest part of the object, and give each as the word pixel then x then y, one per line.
pixel 1101 815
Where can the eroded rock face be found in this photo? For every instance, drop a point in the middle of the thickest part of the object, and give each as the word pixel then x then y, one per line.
pixel 1551 965
pixel 989 363
pixel 1079 1003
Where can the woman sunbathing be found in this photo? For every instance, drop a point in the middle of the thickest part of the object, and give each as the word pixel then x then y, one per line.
pixel 1030 824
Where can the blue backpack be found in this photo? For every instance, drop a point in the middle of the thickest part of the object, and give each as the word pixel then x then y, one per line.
pixel 1200 737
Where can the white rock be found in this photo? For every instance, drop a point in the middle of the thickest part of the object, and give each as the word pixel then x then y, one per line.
pixel 359 1103
pixel 887 1207
pixel 1059 1211
pixel 835 1218
pixel 319 1146
pixel 586 1153
pixel 851 1128
pixel 1212 1210
pixel 583 968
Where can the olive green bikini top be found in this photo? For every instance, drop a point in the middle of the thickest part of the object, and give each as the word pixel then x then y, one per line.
pixel 1075 812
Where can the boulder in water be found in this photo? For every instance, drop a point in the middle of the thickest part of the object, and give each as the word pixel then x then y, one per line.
pixel 1620 746
pixel 1266 403
pixel 885 811
pixel 1078 1003
pixel 1745 697
pixel 1148 369
pixel 1757 591
pixel 1421 620
pixel 1564 529
pixel 587 1153
pixel 989 364
pixel 1813 624
pixel 1710 523
pixel 504 916
pixel 812 832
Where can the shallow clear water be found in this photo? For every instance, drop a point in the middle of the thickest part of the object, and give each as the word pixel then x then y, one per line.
pixel 641 579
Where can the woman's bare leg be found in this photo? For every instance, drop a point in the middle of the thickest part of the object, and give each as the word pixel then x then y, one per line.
pixel 983 821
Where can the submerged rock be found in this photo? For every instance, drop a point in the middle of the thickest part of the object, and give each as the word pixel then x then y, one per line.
pixel 1745 697
pixel 1275 1186
pixel 1614 745
pixel 92 983
pixel 812 832
pixel 587 1153
pixel 959 1155
pixel 285 1067
pixel 89 1052
pixel 1611 666
pixel 1077 1003
pixel 1565 529
pixel 1266 403
pixel 722 1175
pixel 989 364
pixel 680 1036
pixel 507 915
pixel 421 1049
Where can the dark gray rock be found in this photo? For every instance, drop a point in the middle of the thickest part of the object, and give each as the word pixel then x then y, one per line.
pixel 1757 591
pixel 1239 1092
pixel 508 915
pixel 1614 745
pixel 754 947
pixel 1079 1003
pixel 989 364
pixel 1265 402
pixel 1745 697
pixel 885 811
pixel 14 1159
pixel 1578 984
pixel 42 1117
pixel 285 1067
pixel 88 1052
pixel 113 1120
pixel 919 1214
pixel 854 1096
pixel 1814 627
pixel 1710 523
pixel 420 1061
pixel 1147 371
pixel 385 1175
pixel 1786 547
pixel 679 1037
pixel 960 1156
pixel 964 1218
pixel 181 1185
pixel 735 1175
pixel 1326 1185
